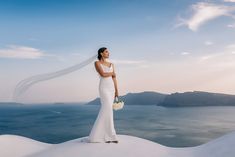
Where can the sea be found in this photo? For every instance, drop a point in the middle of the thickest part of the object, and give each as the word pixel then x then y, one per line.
pixel 173 127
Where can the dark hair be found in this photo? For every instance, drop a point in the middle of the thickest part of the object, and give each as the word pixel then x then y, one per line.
pixel 102 49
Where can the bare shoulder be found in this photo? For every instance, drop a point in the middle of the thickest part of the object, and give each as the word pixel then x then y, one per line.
pixel 97 62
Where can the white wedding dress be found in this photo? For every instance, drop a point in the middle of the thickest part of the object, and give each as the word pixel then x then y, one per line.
pixel 103 129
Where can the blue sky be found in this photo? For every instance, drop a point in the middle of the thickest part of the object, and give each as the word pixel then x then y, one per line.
pixel 156 45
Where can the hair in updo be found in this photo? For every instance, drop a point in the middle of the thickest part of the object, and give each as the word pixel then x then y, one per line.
pixel 102 49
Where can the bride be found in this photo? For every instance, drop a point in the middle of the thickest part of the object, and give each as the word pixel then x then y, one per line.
pixel 103 129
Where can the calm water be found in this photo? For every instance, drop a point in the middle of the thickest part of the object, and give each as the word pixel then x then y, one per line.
pixel 177 127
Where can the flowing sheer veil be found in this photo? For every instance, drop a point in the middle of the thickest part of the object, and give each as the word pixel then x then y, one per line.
pixel 23 85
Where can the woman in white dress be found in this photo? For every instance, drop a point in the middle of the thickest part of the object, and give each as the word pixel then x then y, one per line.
pixel 103 129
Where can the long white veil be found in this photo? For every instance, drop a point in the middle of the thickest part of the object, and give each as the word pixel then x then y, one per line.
pixel 23 85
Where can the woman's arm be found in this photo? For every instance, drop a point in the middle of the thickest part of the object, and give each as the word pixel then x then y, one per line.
pixel 115 83
pixel 100 70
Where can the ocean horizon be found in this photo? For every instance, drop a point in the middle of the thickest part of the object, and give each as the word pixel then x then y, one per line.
pixel 174 127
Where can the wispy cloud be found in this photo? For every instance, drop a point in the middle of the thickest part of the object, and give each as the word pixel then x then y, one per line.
pixel 184 53
pixel 208 43
pixel 227 53
pixel 210 56
pixel 21 52
pixel 223 59
pixel 229 0
pixel 204 12
pixel 231 46
pixel 231 25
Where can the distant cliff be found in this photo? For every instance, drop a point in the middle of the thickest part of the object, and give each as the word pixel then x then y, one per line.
pixel 186 99
pixel 198 98
pixel 143 98
pixel 10 104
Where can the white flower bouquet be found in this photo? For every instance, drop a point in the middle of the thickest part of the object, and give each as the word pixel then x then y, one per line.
pixel 118 104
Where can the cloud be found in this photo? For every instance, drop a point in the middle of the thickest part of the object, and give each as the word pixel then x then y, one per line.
pixel 21 52
pixel 227 53
pixel 184 53
pixel 204 12
pixel 223 59
pixel 210 56
pixel 231 46
pixel 208 43
pixel 231 25
pixel 229 0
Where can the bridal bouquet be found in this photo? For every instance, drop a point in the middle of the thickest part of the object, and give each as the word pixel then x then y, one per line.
pixel 118 104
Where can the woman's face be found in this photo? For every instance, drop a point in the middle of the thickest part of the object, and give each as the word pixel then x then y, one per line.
pixel 105 54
